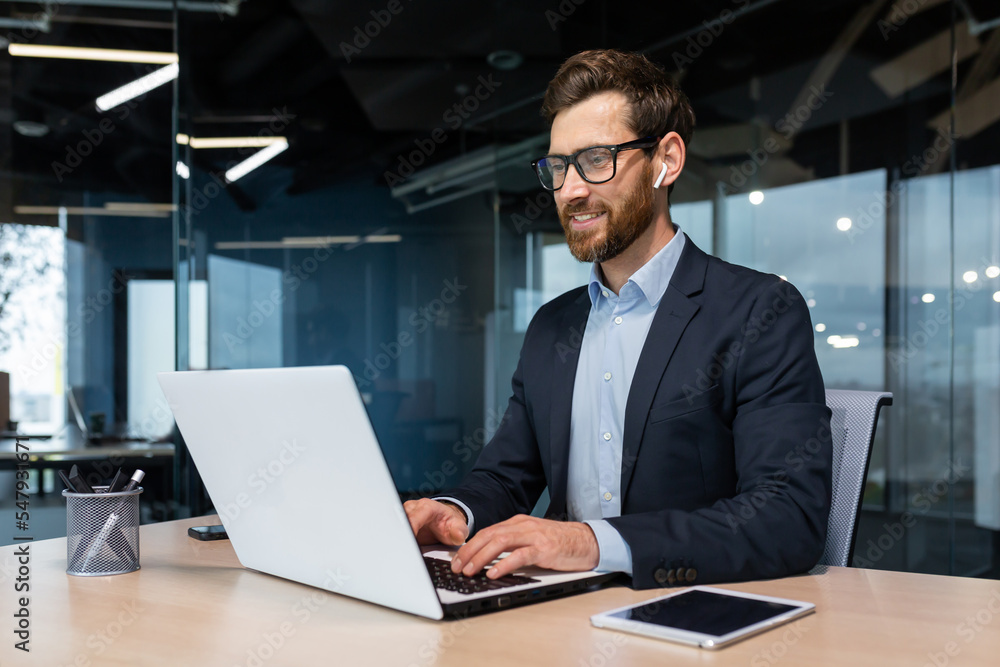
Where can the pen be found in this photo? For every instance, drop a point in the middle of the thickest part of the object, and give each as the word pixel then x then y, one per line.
pixel 109 525
pixel 116 484
pixel 65 480
pixel 78 481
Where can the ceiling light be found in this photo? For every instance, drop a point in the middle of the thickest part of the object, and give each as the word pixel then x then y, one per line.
pixel 756 197
pixel 90 210
pixel 183 139
pixel 927 298
pixel 29 128
pixel 250 245
pixel 183 171
pixel 138 206
pixel 820 328
pixel 138 87
pixel 996 296
pixel 383 238
pixel 255 160
pixel 319 241
pixel 505 60
pixel 970 276
pixel 76 53
pixel 231 142
pixel 842 342
pixel 992 271
pixel 843 224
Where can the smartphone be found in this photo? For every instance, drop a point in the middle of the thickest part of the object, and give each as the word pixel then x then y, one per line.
pixel 703 616
pixel 208 533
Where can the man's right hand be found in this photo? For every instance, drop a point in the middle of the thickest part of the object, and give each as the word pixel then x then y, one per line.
pixel 436 523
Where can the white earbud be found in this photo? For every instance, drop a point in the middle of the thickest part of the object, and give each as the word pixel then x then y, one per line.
pixel 659 179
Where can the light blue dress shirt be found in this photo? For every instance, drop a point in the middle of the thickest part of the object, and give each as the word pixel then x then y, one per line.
pixel 612 341
pixel 616 331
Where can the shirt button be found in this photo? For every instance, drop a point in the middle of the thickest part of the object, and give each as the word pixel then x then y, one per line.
pixel 607 436
pixel 618 320
pixel 604 292
pixel 607 495
pixel 607 376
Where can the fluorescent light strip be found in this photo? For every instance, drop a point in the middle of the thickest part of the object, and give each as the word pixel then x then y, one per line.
pixel 183 171
pixel 318 241
pixel 255 160
pixel 90 210
pixel 77 53
pixel 383 238
pixel 232 142
pixel 138 206
pixel 250 245
pixel 138 87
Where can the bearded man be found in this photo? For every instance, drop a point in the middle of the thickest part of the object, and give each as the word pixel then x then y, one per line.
pixel 685 438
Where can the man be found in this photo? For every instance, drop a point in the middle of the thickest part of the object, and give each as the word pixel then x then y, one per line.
pixel 685 437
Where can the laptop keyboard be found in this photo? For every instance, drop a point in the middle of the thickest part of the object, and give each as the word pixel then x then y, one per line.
pixel 443 577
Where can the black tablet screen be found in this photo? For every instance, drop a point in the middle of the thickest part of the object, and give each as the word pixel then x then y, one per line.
pixel 705 612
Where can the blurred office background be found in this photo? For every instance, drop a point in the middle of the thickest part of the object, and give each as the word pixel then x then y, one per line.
pixel 392 222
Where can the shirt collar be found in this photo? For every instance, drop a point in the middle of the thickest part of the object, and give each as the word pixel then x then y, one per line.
pixel 652 278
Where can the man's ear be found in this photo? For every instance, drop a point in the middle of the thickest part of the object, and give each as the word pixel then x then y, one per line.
pixel 672 153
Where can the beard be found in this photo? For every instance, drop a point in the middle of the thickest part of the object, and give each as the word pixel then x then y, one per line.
pixel 627 219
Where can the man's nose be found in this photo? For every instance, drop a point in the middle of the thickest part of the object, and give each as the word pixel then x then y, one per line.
pixel 574 187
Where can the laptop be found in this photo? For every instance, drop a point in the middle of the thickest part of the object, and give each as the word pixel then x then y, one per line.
pixel 293 467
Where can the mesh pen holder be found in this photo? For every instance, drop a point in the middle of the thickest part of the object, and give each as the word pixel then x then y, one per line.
pixel 102 532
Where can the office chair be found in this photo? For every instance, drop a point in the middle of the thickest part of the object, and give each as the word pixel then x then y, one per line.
pixel 852 425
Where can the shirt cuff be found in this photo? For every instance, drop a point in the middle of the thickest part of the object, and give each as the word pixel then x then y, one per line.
pixel 615 553
pixel 468 512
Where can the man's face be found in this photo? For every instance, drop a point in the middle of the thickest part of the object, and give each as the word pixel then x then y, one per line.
pixel 602 220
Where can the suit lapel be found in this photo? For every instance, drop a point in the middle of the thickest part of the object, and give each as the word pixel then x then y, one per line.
pixel 673 314
pixel 569 339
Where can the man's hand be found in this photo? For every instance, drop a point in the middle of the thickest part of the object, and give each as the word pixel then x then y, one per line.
pixel 436 523
pixel 556 545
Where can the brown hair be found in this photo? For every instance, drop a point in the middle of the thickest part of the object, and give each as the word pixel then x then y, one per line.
pixel 657 104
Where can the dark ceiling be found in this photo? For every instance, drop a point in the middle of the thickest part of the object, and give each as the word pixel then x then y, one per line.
pixel 354 106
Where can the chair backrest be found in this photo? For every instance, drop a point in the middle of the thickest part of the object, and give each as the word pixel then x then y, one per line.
pixel 852 427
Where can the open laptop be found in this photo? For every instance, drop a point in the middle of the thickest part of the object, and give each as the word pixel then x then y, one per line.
pixel 295 471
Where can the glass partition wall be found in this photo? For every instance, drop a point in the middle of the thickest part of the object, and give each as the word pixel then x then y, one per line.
pixel 326 184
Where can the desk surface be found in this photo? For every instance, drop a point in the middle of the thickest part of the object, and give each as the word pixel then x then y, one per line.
pixel 193 604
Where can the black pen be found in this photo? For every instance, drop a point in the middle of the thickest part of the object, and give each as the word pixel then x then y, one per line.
pixel 116 483
pixel 70 486
pixel 79 482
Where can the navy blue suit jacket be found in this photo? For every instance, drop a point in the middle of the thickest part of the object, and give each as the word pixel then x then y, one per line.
pixel 727 452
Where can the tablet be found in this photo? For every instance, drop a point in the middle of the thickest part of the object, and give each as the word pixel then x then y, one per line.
pixel 703 616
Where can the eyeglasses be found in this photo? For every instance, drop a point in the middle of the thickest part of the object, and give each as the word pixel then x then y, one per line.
pixel 597 164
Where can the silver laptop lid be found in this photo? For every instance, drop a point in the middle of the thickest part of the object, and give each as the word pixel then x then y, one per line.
pixel 293 467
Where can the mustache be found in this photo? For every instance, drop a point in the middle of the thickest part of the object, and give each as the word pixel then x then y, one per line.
pixel 585 207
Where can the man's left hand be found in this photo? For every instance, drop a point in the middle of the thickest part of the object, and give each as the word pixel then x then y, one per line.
pixel 556 545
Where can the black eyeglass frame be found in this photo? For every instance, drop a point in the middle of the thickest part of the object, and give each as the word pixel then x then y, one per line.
pixel 645 142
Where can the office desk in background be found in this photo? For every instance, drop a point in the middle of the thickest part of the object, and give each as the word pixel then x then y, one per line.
pixel 193 604
pixel 65 450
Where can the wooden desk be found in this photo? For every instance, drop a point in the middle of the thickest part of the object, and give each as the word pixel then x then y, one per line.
pixel 192 604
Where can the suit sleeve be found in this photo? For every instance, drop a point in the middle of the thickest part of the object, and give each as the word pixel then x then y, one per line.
pixel 776 523
pixel 508 477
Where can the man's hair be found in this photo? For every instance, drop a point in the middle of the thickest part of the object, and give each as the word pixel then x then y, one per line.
pixel 657 105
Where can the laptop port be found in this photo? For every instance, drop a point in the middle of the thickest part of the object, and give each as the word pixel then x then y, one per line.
pixel 520 596
pixel 503 601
